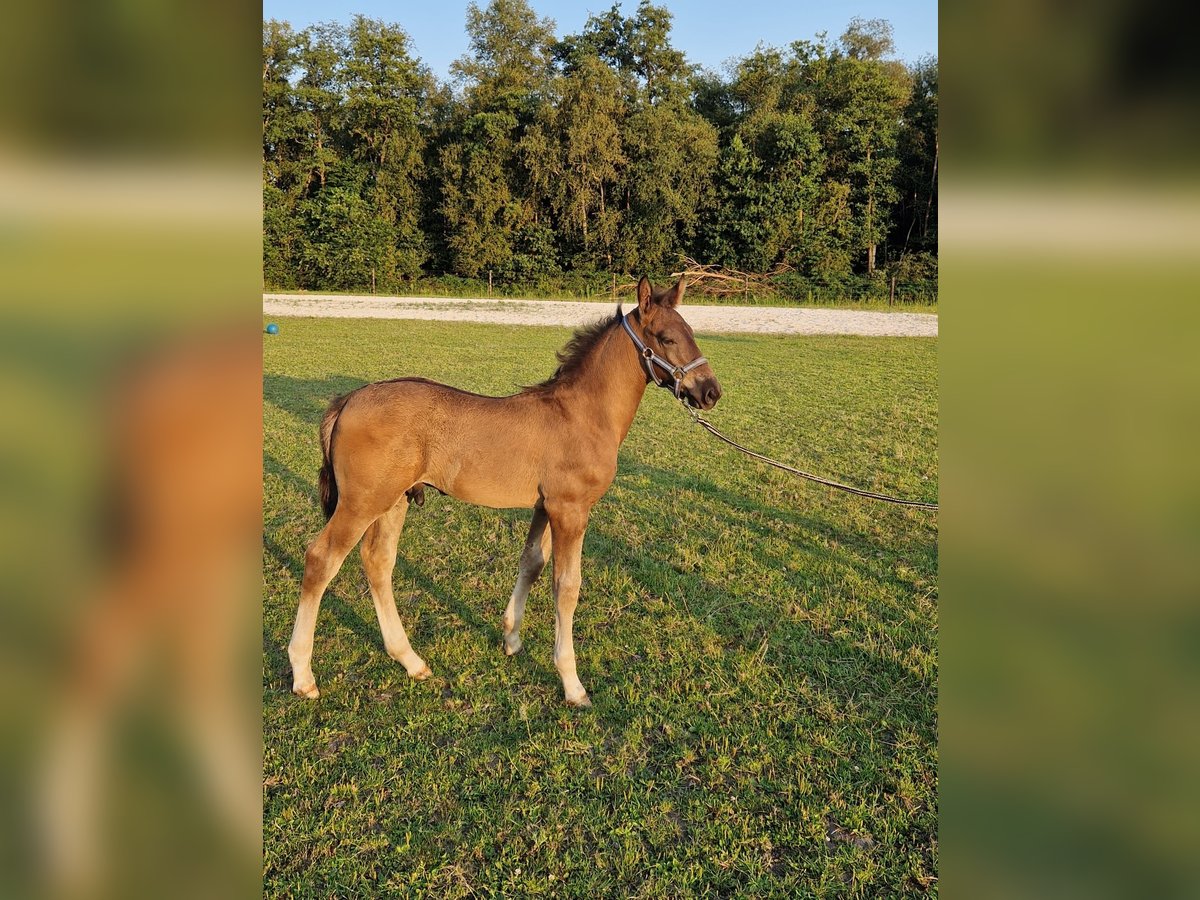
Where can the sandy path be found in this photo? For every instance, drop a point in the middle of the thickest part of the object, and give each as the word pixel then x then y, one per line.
pixel 765 319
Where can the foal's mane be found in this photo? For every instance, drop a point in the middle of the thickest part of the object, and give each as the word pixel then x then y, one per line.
pixel 573 353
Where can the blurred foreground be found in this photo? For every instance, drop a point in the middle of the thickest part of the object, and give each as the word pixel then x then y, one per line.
pixel 1070 663
pixel 1070 625
pixel 130 377
pixel 131 533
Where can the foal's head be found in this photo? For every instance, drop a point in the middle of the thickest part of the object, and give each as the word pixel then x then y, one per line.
pixel 665 332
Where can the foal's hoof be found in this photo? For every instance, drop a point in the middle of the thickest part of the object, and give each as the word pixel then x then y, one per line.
pixel 512 646
pixel 308 693
pixel 580 702
pixel 425 672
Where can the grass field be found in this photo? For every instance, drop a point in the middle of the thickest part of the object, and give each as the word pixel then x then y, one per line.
pixel 761 652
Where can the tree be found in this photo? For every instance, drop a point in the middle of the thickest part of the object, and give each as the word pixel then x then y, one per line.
pixel 770 177
pixel 605 150
pixel 482 207
pixel 318 98
pixel 510 56
pixel 574 158
pixel 386 99
pixel 861 97
pixel 282 136
pixel 672 153
pixel 479 211
pixel 867 39
pixel 346 239
pixel 767 185
pixel 638 48
pixel 668 149
pixel 916 214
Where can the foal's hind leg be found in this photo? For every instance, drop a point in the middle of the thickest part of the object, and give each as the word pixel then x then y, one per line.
pixel 533 560
pixel 379 558
pixel 321 562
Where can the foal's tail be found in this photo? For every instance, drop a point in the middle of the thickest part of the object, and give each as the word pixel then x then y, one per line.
pixel 326 482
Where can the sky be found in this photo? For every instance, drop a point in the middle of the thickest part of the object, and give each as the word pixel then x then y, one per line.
pixel 705 30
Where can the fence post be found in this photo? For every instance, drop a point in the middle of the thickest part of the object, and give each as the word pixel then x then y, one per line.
pixel 489 282
pixel 892 296
pixel 372 279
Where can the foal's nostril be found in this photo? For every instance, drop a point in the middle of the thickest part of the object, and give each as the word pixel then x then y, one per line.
pixel 712 394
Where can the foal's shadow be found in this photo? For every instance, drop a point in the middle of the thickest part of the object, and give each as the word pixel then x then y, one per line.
pixel 737 505
pixel 306 398
pixel 708 599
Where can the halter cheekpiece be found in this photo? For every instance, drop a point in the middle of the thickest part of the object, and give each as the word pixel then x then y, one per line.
pixel 650 359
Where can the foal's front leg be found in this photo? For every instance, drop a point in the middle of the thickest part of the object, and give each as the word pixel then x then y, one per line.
pixel 533 560
pixel 567 527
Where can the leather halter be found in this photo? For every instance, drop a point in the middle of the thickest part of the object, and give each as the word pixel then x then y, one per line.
pixel 650 359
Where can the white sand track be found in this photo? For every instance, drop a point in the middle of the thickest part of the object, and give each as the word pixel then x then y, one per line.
pixel 762 319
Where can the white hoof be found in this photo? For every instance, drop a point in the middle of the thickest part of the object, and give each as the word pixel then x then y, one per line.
pixel 308 692
pixel 512 644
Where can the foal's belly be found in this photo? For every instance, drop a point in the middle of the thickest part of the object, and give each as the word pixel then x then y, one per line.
pixel 497 496
pixel 487 480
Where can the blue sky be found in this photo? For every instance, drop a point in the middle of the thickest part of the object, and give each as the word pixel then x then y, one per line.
pixel 709 32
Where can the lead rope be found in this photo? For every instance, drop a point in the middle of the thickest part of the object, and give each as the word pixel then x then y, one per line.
pixel 712 429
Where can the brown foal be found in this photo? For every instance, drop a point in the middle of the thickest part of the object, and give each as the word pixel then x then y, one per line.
pixel 552 447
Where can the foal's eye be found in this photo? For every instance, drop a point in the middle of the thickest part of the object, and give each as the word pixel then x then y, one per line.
pixel 665 341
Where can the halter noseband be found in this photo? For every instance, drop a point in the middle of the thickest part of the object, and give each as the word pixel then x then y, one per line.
pixel 650 359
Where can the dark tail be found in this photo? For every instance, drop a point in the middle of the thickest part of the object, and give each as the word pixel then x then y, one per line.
pixel 326 482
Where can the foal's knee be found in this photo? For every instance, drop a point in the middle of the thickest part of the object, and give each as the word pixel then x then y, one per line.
pixel 566 587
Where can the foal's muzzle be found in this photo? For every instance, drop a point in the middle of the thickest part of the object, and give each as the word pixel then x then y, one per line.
pixel 705 393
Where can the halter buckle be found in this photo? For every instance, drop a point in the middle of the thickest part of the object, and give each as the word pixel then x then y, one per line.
pixel 647 353
pixel 678 374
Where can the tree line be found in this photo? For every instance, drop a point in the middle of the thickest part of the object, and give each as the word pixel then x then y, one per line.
pixel 552 162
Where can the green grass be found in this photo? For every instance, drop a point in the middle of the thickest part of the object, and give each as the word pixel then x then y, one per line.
pixel 761 653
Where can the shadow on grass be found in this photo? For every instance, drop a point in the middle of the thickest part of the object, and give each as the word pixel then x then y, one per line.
pixel 854 675
pixel 671 480
pixel 305 487
pixel 470 615
pixel 306 398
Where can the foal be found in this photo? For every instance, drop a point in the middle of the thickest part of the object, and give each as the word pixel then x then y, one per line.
pixel 552 447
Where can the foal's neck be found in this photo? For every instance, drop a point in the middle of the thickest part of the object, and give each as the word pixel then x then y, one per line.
pixel 612 383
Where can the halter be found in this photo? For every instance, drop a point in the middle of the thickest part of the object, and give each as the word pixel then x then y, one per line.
pixel 650 359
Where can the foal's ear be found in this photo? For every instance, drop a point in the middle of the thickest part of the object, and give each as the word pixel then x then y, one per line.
pixel 645 295
pixel 672 297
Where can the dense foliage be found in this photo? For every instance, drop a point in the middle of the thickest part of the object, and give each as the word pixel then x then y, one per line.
pixel 551 162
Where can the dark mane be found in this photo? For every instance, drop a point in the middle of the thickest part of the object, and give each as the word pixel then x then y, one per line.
pixel 575 351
